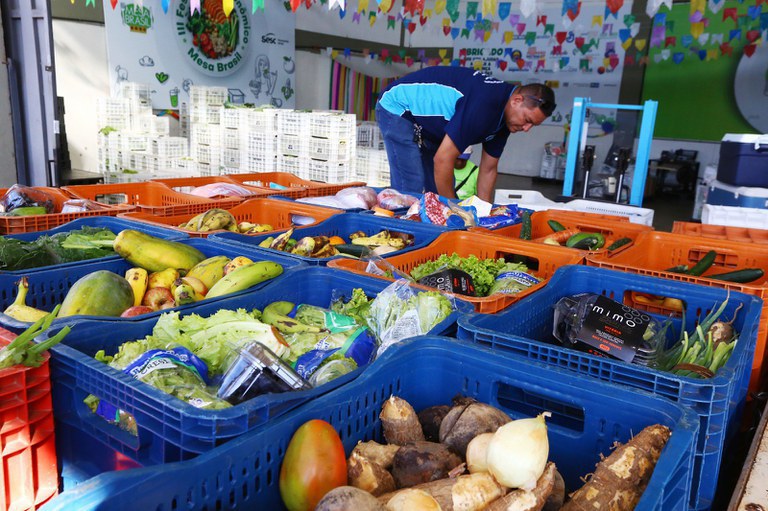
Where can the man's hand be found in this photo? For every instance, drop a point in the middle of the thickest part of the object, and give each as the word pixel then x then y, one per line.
pixel 445 160
pixel 486 177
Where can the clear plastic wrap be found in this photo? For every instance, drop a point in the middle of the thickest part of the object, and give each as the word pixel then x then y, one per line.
pixel 392 199
pixel 20 196
pixel 363 197
pixel 81 205
pixel 221 190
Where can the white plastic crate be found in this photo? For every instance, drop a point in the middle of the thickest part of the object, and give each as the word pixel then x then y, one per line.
pixel 635 214
pixel 262 120
pixel 230 138
pixel 262 145
pixel 169 147
pixel 734 216
pixel 333 126
pixel 329 171
pixel 205 134
pixel 331 149
pixel 291 122
pixel 207 154
pixel 230 157
pixel 529 199
pixel 160 165
pixel 107 107
pixel 293 164
pixel 184 122
pixel 161 126
pixel 292 145
pixel 255 163
pixel 205 114
pixel 124 141
pixel 138 162
pixel 140 92
pixel 230 117
pixel 207 96
pixel 186 166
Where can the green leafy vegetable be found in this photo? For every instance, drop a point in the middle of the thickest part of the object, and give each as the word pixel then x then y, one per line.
pixel 65 247
pixel 22 351
pixel 482 271
pixel 357 307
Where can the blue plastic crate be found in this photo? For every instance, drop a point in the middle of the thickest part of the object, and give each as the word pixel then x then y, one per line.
pixel 169 429
pixel 114 224
pixel 48 288
pixel 342 225
pixel 588 417
pixel 525 329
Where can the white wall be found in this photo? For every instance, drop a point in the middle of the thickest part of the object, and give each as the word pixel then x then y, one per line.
pixel 313 83
pixel 81 77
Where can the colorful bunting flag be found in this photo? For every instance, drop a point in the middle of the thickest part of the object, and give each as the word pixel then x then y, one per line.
pixel 730 12
pixel 508 37
pixel 228 5
pixel 549 29
pixel 471 9
pixel 541 20
pixel 527 8
pixel 713 54
pixel 715 5
pixel 697 29
pixel 489 8
pixel 749 50
pixel 194 5
pixel 597 20
pixel 716 39
pixel 657 35
pixel 439 6
pixel 92 4
pixel 734 34
pixel 607 29
pixel 613 7
pixel 504 10
pixel 670 41
pixel 640 44
pixel 678 57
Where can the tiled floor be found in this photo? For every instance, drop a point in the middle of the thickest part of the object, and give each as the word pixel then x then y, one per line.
pixel 667 207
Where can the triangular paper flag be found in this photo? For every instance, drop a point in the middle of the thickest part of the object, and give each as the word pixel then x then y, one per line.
pixel 113 3
pixel 486 36
pixel 702 54
pixel 732 13
pixel 439 6
pixel 753 12
pixel 726 49
pixel 228 5
pixel 334 54
pixel 665 54
pixel 613 6
pixel 749 50
pixel 678 57
pixel 527 8
pixel 520 28
pixel 447 29
pixel 502 65
pixel 504 9
pixel 390 22
pixel 640 44
pixel 455 33
pixel 626 44
pixel 715 5
pixel 629 19
pixel 752 35
pixel 697 29
pixel 541 20
pixel 557 49
pixel 194 5
pixel 564 61
pixel 560 37
pixel 713 54
pixel 734 34
pixel 703 38
pixel 520 63
pixel 716 39
pixel 471 9
pixel 657 58
pixel 489 8
pixel 442 52
pixel 670 41
pixel 597 21
pixel 508 37
pixel 371 18
pixel 478 65
pixel 452 6
pixel 613 61
pixel 295 5
pixel 549 29
pixel 686 40
pixel 629 60
pixel 634 29
pixel 411 27
pixel 530 38
pixel 624 34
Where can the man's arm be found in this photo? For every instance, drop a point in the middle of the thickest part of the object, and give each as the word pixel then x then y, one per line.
pixel 445 159
pixel 486 176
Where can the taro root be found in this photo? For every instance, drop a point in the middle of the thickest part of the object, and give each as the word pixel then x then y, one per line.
pixel 430 419
pixel 369 476
pixel 422 462
pixel 382 454
pixel 464 422
pixel 399 422
pixel 348 498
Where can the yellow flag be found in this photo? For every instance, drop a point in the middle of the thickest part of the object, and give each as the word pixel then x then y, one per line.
pixel 486 36
pixel 489 8
pixel 508 36
pixel 362 5
pixel 446 22
pixel 446 62
pixel 698 5
pixel 713 54
pixel 626 44
pixel 228 5
pixel 440 6
pixel 372 20
pixel 640 44
pixel 334 54
pixel 697 29
pixel 442 52
pixel 385 5
pixel 427 13
pixel 478 65
pixel 607 62
pixel 597 20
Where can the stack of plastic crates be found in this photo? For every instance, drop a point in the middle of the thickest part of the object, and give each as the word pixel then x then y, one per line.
pixel 372 166
pixel 258 131
pixel 332 146
pixel 292 143
pixel 205 107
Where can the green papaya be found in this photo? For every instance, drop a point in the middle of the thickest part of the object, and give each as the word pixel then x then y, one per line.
pixel 101 293
pixel 155 254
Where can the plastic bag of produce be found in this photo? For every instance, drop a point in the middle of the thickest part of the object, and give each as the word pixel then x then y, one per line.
pixel 362 197
pixel 330 201
pixel 81 205
pixel 20 196
pixel 392 199
pixel 221 190
pixel 401 311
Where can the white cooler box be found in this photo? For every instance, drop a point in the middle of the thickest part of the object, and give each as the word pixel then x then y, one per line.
pixel 722 194
pixel 743 160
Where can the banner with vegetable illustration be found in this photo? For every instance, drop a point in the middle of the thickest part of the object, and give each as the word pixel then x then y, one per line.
pixel 249 54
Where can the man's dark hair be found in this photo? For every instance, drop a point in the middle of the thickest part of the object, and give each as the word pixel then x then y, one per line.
pixel 538 95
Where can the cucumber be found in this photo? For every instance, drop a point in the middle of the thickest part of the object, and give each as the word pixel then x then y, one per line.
pixel 353 250
pixel 555 225
pixel 703 264
pixel 525 230
pixel 680 268
pixel 740 276
pixel 619 243
pixel 586 241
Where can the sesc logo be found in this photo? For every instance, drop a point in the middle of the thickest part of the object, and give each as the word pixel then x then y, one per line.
pixel 269 38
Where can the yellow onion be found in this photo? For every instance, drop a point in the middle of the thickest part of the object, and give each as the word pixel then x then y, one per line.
pixel 518 452
pixel 477 453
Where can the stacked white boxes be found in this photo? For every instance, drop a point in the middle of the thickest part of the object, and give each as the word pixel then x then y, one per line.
pixel 205 107
pixel 371 164
pixel 133 143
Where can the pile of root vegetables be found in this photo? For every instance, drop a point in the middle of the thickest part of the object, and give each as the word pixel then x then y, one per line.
pixel 472 456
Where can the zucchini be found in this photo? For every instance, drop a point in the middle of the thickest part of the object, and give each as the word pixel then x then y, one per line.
pixel 739 276
pixel 586 241
pixel 680 268
pixel 619 243
pixel 525 230
pixel 555 225
pixel 353 250
pixel 703 264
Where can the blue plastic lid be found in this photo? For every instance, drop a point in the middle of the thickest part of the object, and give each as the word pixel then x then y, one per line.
pixel 455 221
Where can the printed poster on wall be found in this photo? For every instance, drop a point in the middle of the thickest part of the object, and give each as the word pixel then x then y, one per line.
pixel 579 58
pixel 252 55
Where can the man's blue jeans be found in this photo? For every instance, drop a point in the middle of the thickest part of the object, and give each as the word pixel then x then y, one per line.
pixel 411 168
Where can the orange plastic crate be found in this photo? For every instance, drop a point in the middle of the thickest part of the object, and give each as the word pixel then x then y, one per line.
pixel 653 252
pixel 28 468
pixel 611 226
pixel 485 246
pixel 310 188
pixel 280 214
pixel 722 232
pixel 32 223
pixel 155 198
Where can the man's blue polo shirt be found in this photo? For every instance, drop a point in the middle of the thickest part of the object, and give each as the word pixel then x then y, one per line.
pixel 466 105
